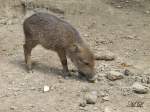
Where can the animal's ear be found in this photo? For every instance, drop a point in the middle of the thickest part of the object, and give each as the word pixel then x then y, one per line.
pixel 75 48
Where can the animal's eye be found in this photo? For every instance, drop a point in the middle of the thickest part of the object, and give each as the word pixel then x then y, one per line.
pixel 86 63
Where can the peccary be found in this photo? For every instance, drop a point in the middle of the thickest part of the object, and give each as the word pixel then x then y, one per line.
pixel 57 35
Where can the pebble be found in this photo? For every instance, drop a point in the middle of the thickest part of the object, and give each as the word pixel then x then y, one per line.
pixel 107 109
pixel 114 75
pixel 61 81
pixel 32 88
pixel 139 88
pixel 9 22
pixel 91 97
pixel 95 108
pixel 83 103
pixel 118 6
pixel 101 76
pixel 42 110
pixel 136 103
pixel 106 98
pixel 46 88
pixel 13 108
pixel 107 56
pixel 147 12
pixel 145 79
pixel 132 71
pixel 86 35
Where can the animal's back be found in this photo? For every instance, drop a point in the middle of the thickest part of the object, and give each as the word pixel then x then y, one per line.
pixel 50 31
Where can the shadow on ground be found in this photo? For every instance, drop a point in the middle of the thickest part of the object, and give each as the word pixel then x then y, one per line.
pixel 47 70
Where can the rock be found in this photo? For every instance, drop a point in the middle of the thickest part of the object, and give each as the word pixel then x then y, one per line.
pixel 83 109
pixel 139 88
pixel 106 98
pixel 91 97
pixel 9 22
pixel 130 37
pixel 136 103
pixel 3 21
pixel 95 108
pixel 102 94
pixel 61 81
pixel 107 109
pixel 46 88
pixel 85 89
pixel 108 56
pixel 86 35
pixel 32 88
pixel 13 108
pixel 132 71
pixel 118 6
pixel 83 103
pixel 42 110
pixel 126 91
pixel 146 79
pixel 101 76
pixel 114 75
pixel 147 12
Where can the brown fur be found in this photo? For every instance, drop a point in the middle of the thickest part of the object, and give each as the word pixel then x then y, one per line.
pixel 59 36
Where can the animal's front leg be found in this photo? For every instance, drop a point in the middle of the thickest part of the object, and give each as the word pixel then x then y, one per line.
pixel 63 59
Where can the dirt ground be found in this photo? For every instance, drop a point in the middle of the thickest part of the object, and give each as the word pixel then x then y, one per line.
pixel 118 26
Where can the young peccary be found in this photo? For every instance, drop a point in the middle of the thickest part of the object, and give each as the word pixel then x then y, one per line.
pixel 58 35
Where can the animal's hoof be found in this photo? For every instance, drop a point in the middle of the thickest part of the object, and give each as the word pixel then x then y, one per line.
pixel 29 71
pixel 67 74
pixel 93 80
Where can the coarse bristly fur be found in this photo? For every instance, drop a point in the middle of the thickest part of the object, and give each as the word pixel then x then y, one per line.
pixel 57 35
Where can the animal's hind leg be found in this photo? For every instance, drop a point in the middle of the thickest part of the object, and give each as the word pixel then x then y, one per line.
pixel 28 46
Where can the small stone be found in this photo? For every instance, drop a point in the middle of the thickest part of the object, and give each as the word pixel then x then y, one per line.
pixel 53 87
pixel 13 108
pixel 66 77
pixel 102 94
pixel 83 109
pixel 127 1
pixel 61 81
pixel 9 22
pixel 95 108
pixel 136 103
pixel 32 88
pixel 147 12
pixel 118 6
pixel 107 109
pixel 42 110
pixel 129 24
pixel 86 35
pixel 85 89
pixel 22 84
pixel 139 88
pixel 91 97
pixel 145 79
pixel 107 56
pixel 132 71
pixel 106 98
pixel 46 88
pixel 100 76
pixel 83 103
pixel 114 75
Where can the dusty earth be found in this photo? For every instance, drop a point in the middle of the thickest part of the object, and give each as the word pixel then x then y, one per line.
pixel 121 27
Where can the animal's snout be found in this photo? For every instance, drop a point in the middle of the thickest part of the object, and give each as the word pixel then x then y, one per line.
pixel 90 77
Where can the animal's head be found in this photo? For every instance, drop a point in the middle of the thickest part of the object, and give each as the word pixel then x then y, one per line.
pixel 83 59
